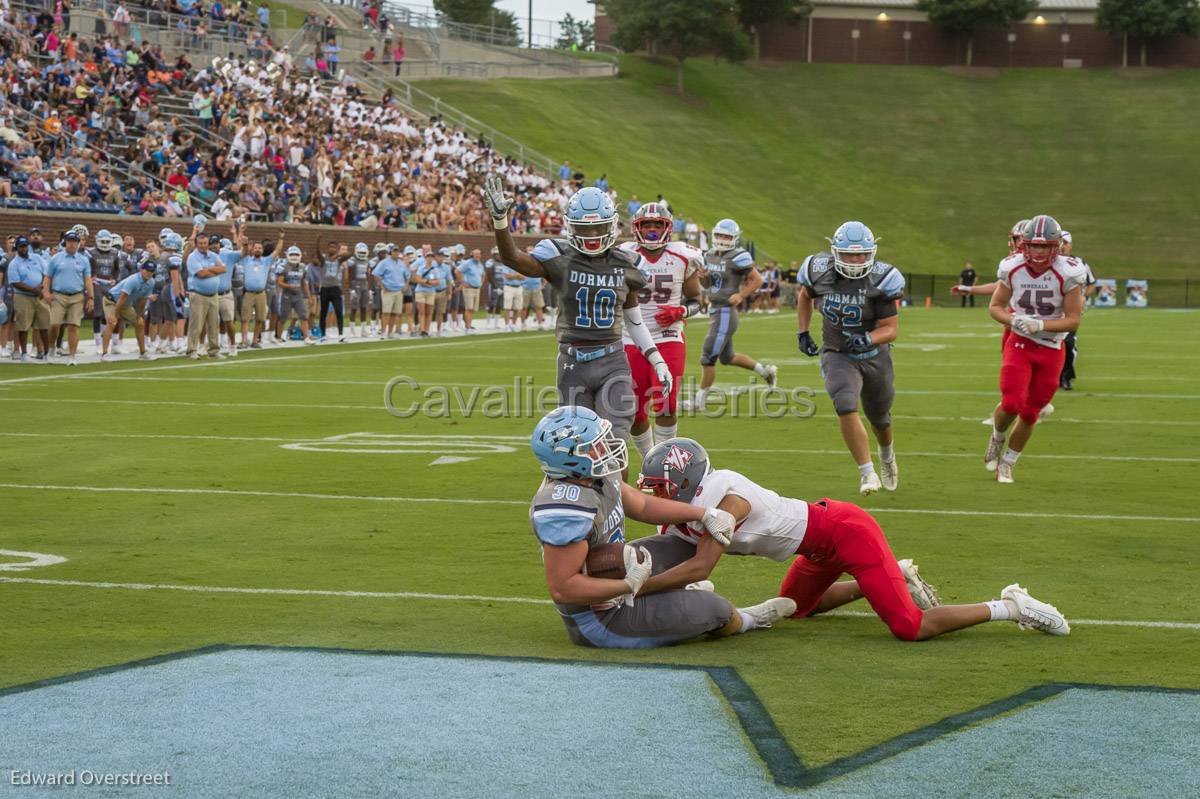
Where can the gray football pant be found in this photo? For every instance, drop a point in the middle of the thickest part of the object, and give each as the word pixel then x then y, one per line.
pixel 873 379
pixel 603 385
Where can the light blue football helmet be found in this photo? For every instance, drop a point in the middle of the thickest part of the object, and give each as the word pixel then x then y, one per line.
pixel 165 234
pixel 104 240
pixel 174 242
pixel 853 237
pixel 725 235
pixel 294 254
pixel 591 221
pixel 226 244
pixel 574 442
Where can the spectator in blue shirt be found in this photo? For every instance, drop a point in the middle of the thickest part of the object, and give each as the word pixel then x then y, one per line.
pixel 204 270
pixel 534 301
pixel 472 278
pixel 633 205
pixel 430 279
pixel 602 182
pixel 564 172
pixel 126 302
pixel 514 299
pixel 68 277
pixel 264 16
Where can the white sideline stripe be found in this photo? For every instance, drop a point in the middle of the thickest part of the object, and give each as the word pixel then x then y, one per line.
pixel 1164 625
pixel 904 453
pixel 387 438
pixel 379 407
pixel 1054 418
pixel 249 493
pixel 459 501
pixel 382 348
pixel 521 600
pixel 994 393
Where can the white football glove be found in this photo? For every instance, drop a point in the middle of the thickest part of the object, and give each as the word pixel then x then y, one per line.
pixel 497 201
pixel 663 373
pixel 719 524
pixel 1027 325
pixel 636 574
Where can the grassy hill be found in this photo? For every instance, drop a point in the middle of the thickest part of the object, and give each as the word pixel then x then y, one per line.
pixel 938 163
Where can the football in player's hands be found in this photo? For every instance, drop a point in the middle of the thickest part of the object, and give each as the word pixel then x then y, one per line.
pixel 608 561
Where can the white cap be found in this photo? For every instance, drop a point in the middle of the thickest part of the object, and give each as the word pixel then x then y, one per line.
pixel 1066 236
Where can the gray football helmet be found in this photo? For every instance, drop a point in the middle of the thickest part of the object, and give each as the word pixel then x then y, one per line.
pixel 674 469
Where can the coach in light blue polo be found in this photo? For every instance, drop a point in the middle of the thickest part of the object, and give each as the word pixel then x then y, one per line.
pixel 204 268
pixel 68 276
pixel 30 312
pixel 394 277
pixel 136 289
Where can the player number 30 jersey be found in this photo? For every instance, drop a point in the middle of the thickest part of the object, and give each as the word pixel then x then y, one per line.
pixel 1042 295
pixel 664 284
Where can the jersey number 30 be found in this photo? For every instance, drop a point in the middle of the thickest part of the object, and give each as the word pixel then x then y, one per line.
pixel 598 311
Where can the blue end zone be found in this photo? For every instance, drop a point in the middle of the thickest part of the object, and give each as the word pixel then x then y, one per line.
pixel 295 722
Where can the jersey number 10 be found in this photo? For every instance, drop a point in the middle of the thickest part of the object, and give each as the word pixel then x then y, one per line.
pixel 601 313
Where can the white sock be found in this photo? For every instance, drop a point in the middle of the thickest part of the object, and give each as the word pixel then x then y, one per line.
pixel 700 397
pixel 644 441
pixel 997 435
pixel 663 432
pixel 1010 456
pixel 866 469
pixel 886 453
pixel 760 370
pixel 747 621
pixel 1002 609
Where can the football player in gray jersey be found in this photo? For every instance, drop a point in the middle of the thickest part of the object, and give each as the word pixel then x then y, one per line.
pixel 856 296
pixel 583 504
pixel 730 277
pixel 598 288
pixel 106 271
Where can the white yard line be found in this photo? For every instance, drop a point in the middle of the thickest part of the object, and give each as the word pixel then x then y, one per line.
pixel 525 503
pixel 521 600
pixel 902 453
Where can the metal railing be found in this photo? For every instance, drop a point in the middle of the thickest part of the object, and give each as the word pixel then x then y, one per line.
pixel 148 17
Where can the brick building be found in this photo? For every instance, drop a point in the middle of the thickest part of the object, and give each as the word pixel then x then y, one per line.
pixel 1061 33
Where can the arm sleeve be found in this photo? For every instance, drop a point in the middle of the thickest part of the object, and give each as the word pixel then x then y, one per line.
pixel 639 332
pixel 562 525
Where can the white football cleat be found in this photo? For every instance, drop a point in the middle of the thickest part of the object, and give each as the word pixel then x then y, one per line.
pixel 991 455
pixel 923 594
pixel 104 357
pixel 1034 614
pixel 772 374
pixel 1046 411
pixel 700 585
pixel 889 474
pixel 869 484
pixel 1004 472
pixel 145 356
pixel 767 613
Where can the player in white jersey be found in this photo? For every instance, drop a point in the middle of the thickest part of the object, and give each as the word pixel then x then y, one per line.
pixel 1039 299
pixel 672 293
pixel 828 539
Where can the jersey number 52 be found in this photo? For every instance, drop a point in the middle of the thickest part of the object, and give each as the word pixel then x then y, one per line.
pixel 842 315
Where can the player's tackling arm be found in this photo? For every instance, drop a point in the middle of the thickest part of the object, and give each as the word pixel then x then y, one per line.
pixel 708 552
pixel 657 510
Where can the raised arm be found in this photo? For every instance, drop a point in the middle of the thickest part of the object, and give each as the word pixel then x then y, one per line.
pixel 498 202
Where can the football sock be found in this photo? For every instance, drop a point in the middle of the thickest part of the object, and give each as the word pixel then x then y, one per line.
pixel 997 435
pixel 1010 456
pixel 644 441
pixel 886 453
pixel 700 397
pixel 760 369
pixel 747 622
pixel 1002 609
pixel 865 469
pixel 663 432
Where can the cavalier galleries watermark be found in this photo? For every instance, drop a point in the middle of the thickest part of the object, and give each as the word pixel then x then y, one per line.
pixel 406 397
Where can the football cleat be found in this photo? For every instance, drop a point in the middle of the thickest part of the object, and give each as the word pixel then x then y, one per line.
pixel 1046 411
pixel 1033 614
pixel 700 585
pixel 772 374
pixel 767 613
pixel 869 484
pixel 889 474
pixel 1004 472
pixel 991 455
pixel 923 594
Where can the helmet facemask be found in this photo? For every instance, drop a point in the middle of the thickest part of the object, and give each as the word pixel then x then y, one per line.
pixel 854 262
pixel 593 235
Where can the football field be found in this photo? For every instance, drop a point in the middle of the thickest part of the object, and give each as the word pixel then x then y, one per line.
pixel 274 504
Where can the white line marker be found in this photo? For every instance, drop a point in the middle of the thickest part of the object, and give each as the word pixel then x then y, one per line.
pixel 906 454
pixel 460 501
pixel 384 444
pixel 520 600
pixel 31 560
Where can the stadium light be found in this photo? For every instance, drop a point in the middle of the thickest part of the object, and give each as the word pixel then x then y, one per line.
pixel 1039 20
pixel 883 17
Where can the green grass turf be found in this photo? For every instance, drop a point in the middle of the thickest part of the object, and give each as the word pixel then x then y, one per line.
pixel 834 685
pixel 939 164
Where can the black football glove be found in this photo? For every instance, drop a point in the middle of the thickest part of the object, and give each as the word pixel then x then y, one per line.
pixel 860 342
pixel 807 345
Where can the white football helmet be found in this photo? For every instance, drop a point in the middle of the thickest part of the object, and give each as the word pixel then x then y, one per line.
pixel 361 251
pixel 294 255
pixel 725 235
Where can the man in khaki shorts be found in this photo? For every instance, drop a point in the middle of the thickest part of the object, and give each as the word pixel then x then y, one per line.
pixel 126 302
pixel 394 279
pixel 535 303
pixel 472 281
pixel 67 288
pixel 30 312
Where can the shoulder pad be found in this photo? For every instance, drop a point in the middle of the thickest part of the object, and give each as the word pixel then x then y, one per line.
pixel 546 249
pixel 560 523
pixel 887 278
pixel 628 246
pixel 1008 264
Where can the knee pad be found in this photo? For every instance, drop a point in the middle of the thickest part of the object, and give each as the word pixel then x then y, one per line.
pixel 906 626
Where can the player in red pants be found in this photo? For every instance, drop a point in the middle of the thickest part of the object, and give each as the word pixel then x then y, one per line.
pixel 672 270
pixel 1038 299
pixel 827 539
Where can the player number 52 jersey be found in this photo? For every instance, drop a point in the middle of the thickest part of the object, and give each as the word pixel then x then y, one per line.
pixel 1042 295
pixel 664 284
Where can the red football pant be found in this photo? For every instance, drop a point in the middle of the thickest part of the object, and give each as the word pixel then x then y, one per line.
pixel 1028 377
pixel 844 539
pixel 645 385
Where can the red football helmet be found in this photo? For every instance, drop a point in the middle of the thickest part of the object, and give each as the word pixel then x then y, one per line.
pixel 1040 241
pixel 652 225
